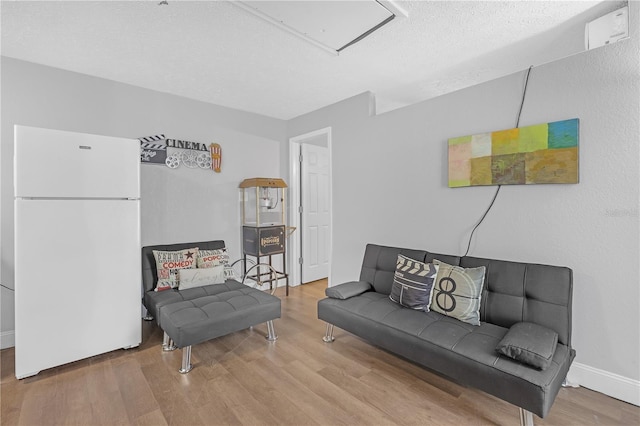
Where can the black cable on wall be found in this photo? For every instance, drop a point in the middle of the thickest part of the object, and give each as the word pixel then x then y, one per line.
pixel 524 93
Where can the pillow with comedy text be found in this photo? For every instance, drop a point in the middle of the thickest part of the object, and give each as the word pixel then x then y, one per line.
pixel 168 263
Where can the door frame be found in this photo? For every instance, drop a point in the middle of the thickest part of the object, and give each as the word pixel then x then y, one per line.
pixel 293 243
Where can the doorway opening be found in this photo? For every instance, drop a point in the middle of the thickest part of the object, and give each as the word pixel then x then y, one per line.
pixel 311 213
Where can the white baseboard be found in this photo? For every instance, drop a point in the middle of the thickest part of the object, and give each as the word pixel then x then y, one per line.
pixel 611 384
pixel 7 339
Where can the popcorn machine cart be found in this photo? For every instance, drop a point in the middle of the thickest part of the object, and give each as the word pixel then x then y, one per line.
pixel 264 230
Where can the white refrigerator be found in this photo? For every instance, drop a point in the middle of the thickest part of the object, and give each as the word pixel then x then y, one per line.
pixel 77 246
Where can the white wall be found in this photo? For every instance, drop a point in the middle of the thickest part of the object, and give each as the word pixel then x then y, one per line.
pixel 178 205
pixel 390 187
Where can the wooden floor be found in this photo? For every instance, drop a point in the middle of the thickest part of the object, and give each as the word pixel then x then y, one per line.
pixel 298 380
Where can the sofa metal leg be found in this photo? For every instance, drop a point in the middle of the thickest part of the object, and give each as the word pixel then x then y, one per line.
pixel 167 343
pixel 526 417
pixel 271 336
pixel 328 335
pixel 186 360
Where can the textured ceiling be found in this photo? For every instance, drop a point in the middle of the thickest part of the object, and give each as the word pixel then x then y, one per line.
pixel 217 52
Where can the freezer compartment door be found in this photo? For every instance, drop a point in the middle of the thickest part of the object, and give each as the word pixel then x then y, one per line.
pixel 54 163
pixel 77 280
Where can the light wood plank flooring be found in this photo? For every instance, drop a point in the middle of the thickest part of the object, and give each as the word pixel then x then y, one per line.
pixel 298 380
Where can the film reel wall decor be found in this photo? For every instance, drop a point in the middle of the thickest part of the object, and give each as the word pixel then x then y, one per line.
pixel 194 155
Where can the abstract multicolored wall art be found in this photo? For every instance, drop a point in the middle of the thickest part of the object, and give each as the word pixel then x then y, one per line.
pixel 543 153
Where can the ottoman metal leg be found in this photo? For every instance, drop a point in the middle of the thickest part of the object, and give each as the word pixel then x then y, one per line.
pixel 271 336
pixel 328 335
pixel 167 343
pixel 186 360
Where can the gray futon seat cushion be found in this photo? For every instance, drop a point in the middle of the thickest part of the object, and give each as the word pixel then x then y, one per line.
pixel 156 300
pixel 464 352
pixel 190 322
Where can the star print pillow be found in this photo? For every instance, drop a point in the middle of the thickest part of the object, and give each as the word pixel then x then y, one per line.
pixel 168 263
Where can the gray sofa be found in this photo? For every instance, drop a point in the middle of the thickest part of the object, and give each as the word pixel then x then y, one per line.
pixel 195 315
pixel 512 293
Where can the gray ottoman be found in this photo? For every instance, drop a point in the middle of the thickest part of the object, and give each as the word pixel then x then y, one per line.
pixel 190 322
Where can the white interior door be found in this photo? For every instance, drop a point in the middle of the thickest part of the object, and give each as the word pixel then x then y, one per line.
pixel 315 219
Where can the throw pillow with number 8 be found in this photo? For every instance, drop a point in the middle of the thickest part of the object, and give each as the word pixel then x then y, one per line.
pixel 457 291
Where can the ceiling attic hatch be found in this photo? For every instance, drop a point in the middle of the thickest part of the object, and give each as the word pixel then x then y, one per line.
pixel 330 25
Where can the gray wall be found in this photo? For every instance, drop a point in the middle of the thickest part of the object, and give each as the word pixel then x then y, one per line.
pixel 176 204
pixel 390 187
pixel 390 179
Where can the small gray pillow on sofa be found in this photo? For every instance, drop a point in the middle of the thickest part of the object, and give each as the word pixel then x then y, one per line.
pixel 530 344
pixel 347 290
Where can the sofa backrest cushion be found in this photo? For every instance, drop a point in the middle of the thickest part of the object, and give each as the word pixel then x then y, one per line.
pixel 149 271
pixel 513 291
pixel 379 264
pixel 446 258
pixel 516 292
